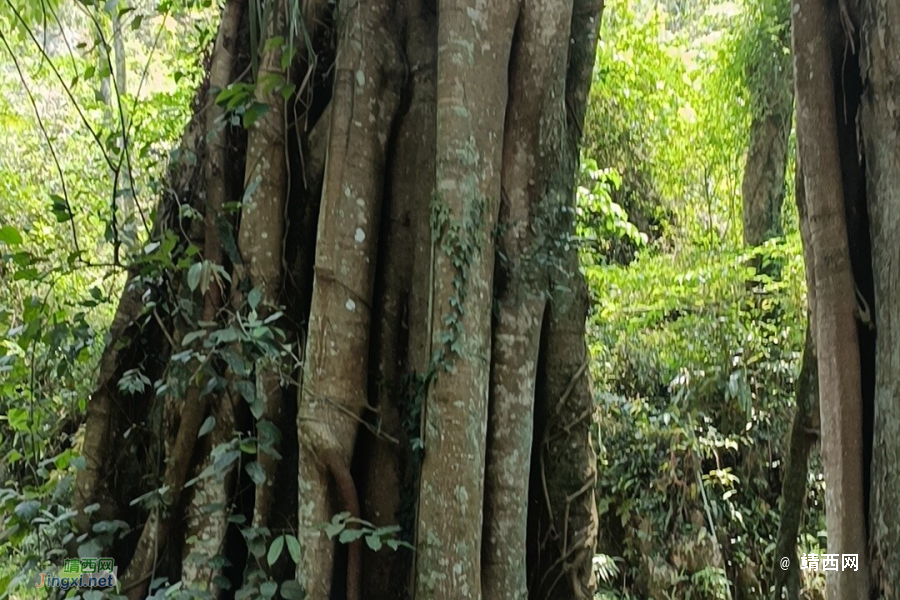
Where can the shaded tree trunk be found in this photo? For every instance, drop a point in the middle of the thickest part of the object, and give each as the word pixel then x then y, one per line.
pixel 804 429
pixel 763 186
pixel 368 234
pixel 879 117
pixel 771 91
pixel 768 76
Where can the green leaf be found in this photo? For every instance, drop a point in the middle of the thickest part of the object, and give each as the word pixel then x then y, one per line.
pixel 27 510
pixel 293 545
pixel 59 208
pixel 275 552
pixel 256 473
pixel 10 236
pixel 193 276
pixel 253 113
pixel 207 426
pixel 28 274
pixel 18 419
pixel 272 43
pixel 373 542
pixel 350 535
pixel 254 297
pixel 336 526
pixel 292 590
pixel 268 589
pixel 193 335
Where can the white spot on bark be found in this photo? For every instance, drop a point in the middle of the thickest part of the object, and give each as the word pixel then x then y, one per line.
pixel 360 78
pixel 350 305
pixel 360 236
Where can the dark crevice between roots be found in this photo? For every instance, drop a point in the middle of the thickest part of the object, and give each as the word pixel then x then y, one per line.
pixel 848 98
pixel 538 517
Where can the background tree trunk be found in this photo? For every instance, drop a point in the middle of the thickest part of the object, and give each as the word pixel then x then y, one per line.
pixel 763 186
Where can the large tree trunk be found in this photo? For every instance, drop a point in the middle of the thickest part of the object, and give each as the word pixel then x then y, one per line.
pixel 848 133
pixel 384 258
pixel 880 124
pixel 836 336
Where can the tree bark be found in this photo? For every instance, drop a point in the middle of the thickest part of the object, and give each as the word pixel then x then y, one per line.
pixel 474 44
pixel 333 392
pixel 429 285
pixel 563 510
pixel 880 124
pixel 804 427
pixel 763 186
pixel 535 125
pixel 836 336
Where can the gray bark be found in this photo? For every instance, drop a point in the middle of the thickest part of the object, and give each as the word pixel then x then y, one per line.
pixel 836 335
pixel 880 123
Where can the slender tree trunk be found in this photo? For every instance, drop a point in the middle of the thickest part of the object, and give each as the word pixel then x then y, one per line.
pixel 473 54
pixel 562 503
pixel 804 427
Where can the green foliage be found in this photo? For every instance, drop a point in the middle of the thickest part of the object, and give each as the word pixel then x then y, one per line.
pixel 349 529
pixel 668 113
pixel 63 168
pixel 695 352
pixel 761 55
pixel 696 372
pixel 601 223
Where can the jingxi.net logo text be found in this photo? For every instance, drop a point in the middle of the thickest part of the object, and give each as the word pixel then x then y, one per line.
pixel 82 573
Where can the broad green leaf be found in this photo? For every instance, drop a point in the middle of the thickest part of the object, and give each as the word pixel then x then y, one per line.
pixel 293 545
pixel 275 550
pixel 256 472
pixel 373 542
pixel 207 426
pixel 268 589
pixel 193 276
pixel 10 236
pixel 291 590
